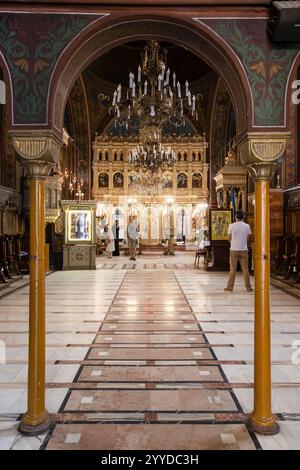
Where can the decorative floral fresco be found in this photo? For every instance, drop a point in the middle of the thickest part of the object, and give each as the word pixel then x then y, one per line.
pixel 291 151
pixel 31 45
pixel 267 65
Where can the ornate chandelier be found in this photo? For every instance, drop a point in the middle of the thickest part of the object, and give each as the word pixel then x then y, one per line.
pixel 150 154
pixel 149 185
pixel 154 94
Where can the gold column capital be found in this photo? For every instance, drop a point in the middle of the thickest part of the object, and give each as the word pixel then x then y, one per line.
pixel 37 146
pixel 262 170
pixel 262 147
pixel 37 168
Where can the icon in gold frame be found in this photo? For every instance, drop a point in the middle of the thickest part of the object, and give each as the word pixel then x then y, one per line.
pixel 220 219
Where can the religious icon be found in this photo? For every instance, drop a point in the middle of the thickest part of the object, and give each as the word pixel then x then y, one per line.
pixel 79 225
pixel 118 180
pixel 220 221
pixel 168 181
pixel 103 180
pixel 132 179
pixel 181 180
pixel 197 180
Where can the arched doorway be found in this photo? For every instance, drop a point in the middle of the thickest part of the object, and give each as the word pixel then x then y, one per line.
pixel 200 42
pixel 95 42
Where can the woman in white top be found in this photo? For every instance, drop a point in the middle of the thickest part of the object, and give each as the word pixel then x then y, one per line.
pixel 110 242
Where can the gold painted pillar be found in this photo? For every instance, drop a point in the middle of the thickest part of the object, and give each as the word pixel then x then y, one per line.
pixel 36 420
pixel 259 152
pixel 38 154
pixel 261 419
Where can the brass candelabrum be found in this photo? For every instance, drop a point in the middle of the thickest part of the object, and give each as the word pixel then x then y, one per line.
pixel 72 185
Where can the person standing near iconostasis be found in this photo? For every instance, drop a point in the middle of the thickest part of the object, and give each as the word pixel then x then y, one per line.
pixel 132 237
pixel 110 243
pixel 116 230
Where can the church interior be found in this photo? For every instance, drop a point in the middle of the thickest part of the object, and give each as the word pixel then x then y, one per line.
pixel 175 118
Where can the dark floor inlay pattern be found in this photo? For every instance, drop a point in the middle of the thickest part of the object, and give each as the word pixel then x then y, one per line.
pixel 133 390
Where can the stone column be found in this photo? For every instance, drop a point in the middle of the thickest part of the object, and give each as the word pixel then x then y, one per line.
pixel 190 173
pixel 38 154
pixel 260 153
pixel 126 178
pixel 110 180
pixel 205 176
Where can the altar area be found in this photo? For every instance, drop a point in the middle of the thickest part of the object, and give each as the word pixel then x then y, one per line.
pixel 156 220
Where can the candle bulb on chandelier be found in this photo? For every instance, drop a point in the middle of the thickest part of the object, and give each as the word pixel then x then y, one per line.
pixel 186 88
pixel 133 89
pixel 139 74
pixel 159 82
pixel 115 98
pixel 119 93
pixel 145 88
pixel 131 78
pixel 168 77
pixel 178 90
pixel 174 80
pixel 193 103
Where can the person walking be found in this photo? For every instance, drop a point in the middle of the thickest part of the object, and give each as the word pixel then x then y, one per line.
pixel 115 230
pixel 110 243
pixel 132 236
pixel 239 233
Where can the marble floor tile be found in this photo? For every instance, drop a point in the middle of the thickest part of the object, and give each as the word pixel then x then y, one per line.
pixel 284 400
pixel 119 351
pixel 287 439
pixel 150 353
pixel 154 400
pixel 153 373
pixel 151 437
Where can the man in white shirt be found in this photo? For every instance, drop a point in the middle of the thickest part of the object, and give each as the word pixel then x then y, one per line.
pixel 239 233
pixel 132 237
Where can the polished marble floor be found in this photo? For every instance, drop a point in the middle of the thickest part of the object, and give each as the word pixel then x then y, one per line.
pixel 149 354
